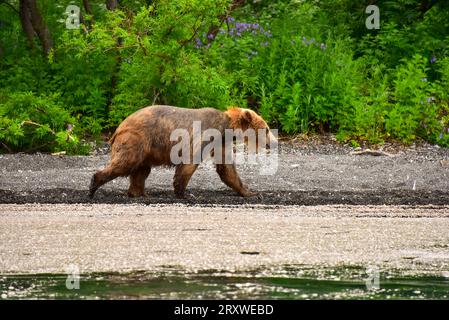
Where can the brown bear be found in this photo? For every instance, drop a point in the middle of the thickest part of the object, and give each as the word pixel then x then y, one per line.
pixel 143 140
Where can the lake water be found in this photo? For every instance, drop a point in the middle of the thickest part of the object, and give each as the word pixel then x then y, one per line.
pixel 286 282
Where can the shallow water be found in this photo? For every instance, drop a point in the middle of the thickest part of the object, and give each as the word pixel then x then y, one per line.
pixel 287 282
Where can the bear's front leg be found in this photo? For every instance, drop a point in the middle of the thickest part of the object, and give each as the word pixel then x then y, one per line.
pixel 182 177
pixel 137 182
pixel 228 174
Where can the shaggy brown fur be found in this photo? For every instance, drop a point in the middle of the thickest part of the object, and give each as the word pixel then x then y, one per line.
pixel 142 141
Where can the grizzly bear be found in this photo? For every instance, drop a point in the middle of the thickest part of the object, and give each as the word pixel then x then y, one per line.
pixel 143 140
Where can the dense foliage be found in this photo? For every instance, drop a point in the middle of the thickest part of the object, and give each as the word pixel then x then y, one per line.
pixel 308 66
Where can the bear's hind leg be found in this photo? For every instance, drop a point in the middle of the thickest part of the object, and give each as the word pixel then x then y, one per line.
pixel 182 177
pixel 100 178
pixel 228 174
pixel 137 182
pixel 126 157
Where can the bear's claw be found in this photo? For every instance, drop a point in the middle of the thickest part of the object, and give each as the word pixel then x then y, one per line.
pixel 248 194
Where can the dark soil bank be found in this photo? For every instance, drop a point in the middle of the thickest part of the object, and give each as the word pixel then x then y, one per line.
pixel 308 174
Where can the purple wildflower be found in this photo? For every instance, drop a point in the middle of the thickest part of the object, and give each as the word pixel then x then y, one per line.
pixel 199 43
pixel 242 26
pixel 251 54
pixel 239 29
pixel 311 41
pixel 210 36
pixel 433 60
pixel 265 44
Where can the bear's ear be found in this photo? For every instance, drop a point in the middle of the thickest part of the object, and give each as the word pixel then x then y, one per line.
pixel 247 116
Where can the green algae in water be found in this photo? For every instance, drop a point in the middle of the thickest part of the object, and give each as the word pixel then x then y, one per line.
pixel 286 283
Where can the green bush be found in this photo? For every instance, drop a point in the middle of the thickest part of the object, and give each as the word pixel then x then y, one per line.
pixel 298 78
pixel 414 112
pixel 30 123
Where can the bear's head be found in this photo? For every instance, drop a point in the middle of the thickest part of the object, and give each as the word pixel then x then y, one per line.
pixel 245 119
